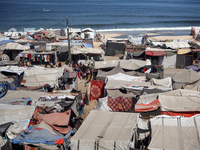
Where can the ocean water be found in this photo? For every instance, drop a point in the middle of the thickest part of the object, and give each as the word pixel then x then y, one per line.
pixel 99 14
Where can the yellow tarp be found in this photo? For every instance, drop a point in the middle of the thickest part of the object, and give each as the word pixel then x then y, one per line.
pixel 184 51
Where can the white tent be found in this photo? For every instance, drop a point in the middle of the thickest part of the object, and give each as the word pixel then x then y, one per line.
pixel 175 133
pixel 105 130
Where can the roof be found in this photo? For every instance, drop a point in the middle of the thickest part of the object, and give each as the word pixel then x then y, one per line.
pixel 108 128
pixel 176 45
pixel 16 46
pixel 175 133
pixel 5 42
pixel 76 50
pixel 12 69
pixel 186 76
pixel 156 53
pixel 147 107
pixel 183 51
pixel 131 64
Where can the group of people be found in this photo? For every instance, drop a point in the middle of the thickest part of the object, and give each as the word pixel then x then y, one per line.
pixel 83 70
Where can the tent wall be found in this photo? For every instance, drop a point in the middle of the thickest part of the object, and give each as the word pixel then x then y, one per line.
pixel 183 60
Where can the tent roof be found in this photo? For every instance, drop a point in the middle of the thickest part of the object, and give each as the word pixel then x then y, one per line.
pixel 125 64
pixel 5 42
pixel 187 76
pixel 12 69
pixel 16 46
pixel 34 95
pixel 122 76
pixel 184 51
pixel 175 133
pixel 156 53
pixel 117 93
pixel 75 50
pixel 176 45
pixel 107 128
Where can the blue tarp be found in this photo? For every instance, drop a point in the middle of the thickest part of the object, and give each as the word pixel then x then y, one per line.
pixel 88 45
pixel 195 68
pixel 35 135
pixel 5 41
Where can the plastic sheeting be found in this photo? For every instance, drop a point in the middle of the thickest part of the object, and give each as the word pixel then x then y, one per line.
pixel 169 62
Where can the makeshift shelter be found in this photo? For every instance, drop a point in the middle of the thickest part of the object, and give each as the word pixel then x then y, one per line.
pixel 41 135
pixel 105 130
pixel 17 114
pixel 176 45
pixel 36 77
pixel 186 77
pixel 102 104
pixel 180 103
pixel 175 133
pixel 21 97
pixel 184 58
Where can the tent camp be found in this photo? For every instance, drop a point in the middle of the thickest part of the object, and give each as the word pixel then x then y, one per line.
pixel 105 130
pixel 175 133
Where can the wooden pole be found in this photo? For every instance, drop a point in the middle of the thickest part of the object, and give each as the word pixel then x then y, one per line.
pixel 69 52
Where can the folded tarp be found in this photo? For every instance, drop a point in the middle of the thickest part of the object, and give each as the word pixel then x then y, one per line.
pixel 147 107
pixel 175 133
pixel 41 133
pixel 125 64
pixel 166 82
pixel 146 99
pixel 109 129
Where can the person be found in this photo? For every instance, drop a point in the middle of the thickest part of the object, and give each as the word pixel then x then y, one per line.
pixel 83 70
pixel 88 75
pixel 59 64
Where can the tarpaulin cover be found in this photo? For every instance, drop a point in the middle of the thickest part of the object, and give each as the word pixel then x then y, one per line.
pixel 166 82
pixel 147 107
pixel 125 64
pixel 41 133
pixel 58 121
pixel 109 129
pixel 122 76
pixel 120 103
pixel 102 104
pixel 184 114
pixel 183 51
pixel 156 53
pixel 186 76
pixel 117 93
pixel 97 88
pixel 175 133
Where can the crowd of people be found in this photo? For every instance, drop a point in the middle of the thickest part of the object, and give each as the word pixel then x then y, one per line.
pixel 83 70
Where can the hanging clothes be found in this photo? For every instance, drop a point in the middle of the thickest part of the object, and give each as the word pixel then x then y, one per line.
pixel 40 58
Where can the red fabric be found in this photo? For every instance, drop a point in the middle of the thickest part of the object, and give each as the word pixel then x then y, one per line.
pixel 59 141
pixel 120 103
pixel 196 50
pixel 29 56
pixel 55 120
pixel 156 53
pixel 97 88
pixel 147 107
pixel 185 114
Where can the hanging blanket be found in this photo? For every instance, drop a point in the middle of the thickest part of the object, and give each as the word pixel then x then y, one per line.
pixel 120 103
pixel 97 88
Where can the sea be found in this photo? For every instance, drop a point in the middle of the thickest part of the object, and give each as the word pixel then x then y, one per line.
pixel 101 15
